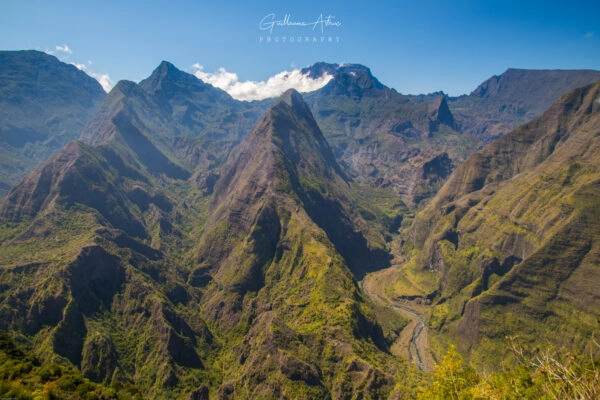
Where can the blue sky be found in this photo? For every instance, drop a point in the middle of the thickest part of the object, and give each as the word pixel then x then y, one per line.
pixel 414 46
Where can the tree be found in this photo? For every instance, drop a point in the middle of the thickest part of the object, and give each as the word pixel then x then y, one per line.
pixel 452 379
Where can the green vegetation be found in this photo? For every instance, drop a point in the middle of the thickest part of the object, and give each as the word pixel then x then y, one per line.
pixel 25 377
pixel 147 279
pixel 510 243
pixel 160 259
pixel 549 374
pixel 543 374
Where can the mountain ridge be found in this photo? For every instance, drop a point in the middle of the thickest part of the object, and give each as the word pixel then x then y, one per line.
pixel 44 103
pixel 511 234
pixel 216 117
pixel 129 269
pixel 384 138
pixel 515 97
pixel 229 237
pixel 278 249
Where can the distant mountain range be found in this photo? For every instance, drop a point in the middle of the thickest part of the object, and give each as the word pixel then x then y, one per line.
pixel 189 245
pixel 408 143
pixel 504 102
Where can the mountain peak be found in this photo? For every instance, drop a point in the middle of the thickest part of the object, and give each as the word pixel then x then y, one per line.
pixel 320 69
pixel 125 87
pixel 348 79
pixel 286 135
pixel 165 65
pixel 165 69
pixel 295 102
pixel 172 83
pixel 165 75
pixel 284 162
pixel 291 97
pixel 440 112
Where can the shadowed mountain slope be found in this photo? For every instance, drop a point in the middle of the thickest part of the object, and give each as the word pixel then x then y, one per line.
pixel 512 236
pixel 274 261
pixel 182 117
pixel 44 104
pixel 115 260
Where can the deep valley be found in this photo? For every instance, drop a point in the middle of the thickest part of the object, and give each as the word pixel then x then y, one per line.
pixel 165 240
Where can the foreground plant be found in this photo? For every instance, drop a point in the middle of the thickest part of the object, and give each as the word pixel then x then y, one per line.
pixel 551 374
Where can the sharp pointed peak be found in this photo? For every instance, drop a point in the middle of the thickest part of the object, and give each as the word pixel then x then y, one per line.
pixel 165 68
pixel 293 102
pixel 166 64
pixel 166 72
pixel 285 140
pixel 291 97
pixel 171 80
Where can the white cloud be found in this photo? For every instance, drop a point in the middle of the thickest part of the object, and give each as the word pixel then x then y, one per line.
pixel 259 90
pixel 60 49
pixel 103 79
pixel 64 48
pixel 81 67
pixel 589 35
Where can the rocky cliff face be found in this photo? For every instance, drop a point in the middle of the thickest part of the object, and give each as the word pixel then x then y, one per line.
pixel 383 137
pixel 510 234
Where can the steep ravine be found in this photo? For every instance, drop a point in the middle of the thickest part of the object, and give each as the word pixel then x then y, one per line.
pixel 414 336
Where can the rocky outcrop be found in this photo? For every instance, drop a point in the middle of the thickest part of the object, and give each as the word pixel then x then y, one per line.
pixel 440 114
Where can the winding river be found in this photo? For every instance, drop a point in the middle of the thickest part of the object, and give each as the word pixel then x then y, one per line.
pixel 417 348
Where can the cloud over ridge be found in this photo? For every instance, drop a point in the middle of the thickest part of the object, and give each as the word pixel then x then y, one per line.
pixel 259 90
pixel 103 79
pixel 59 49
